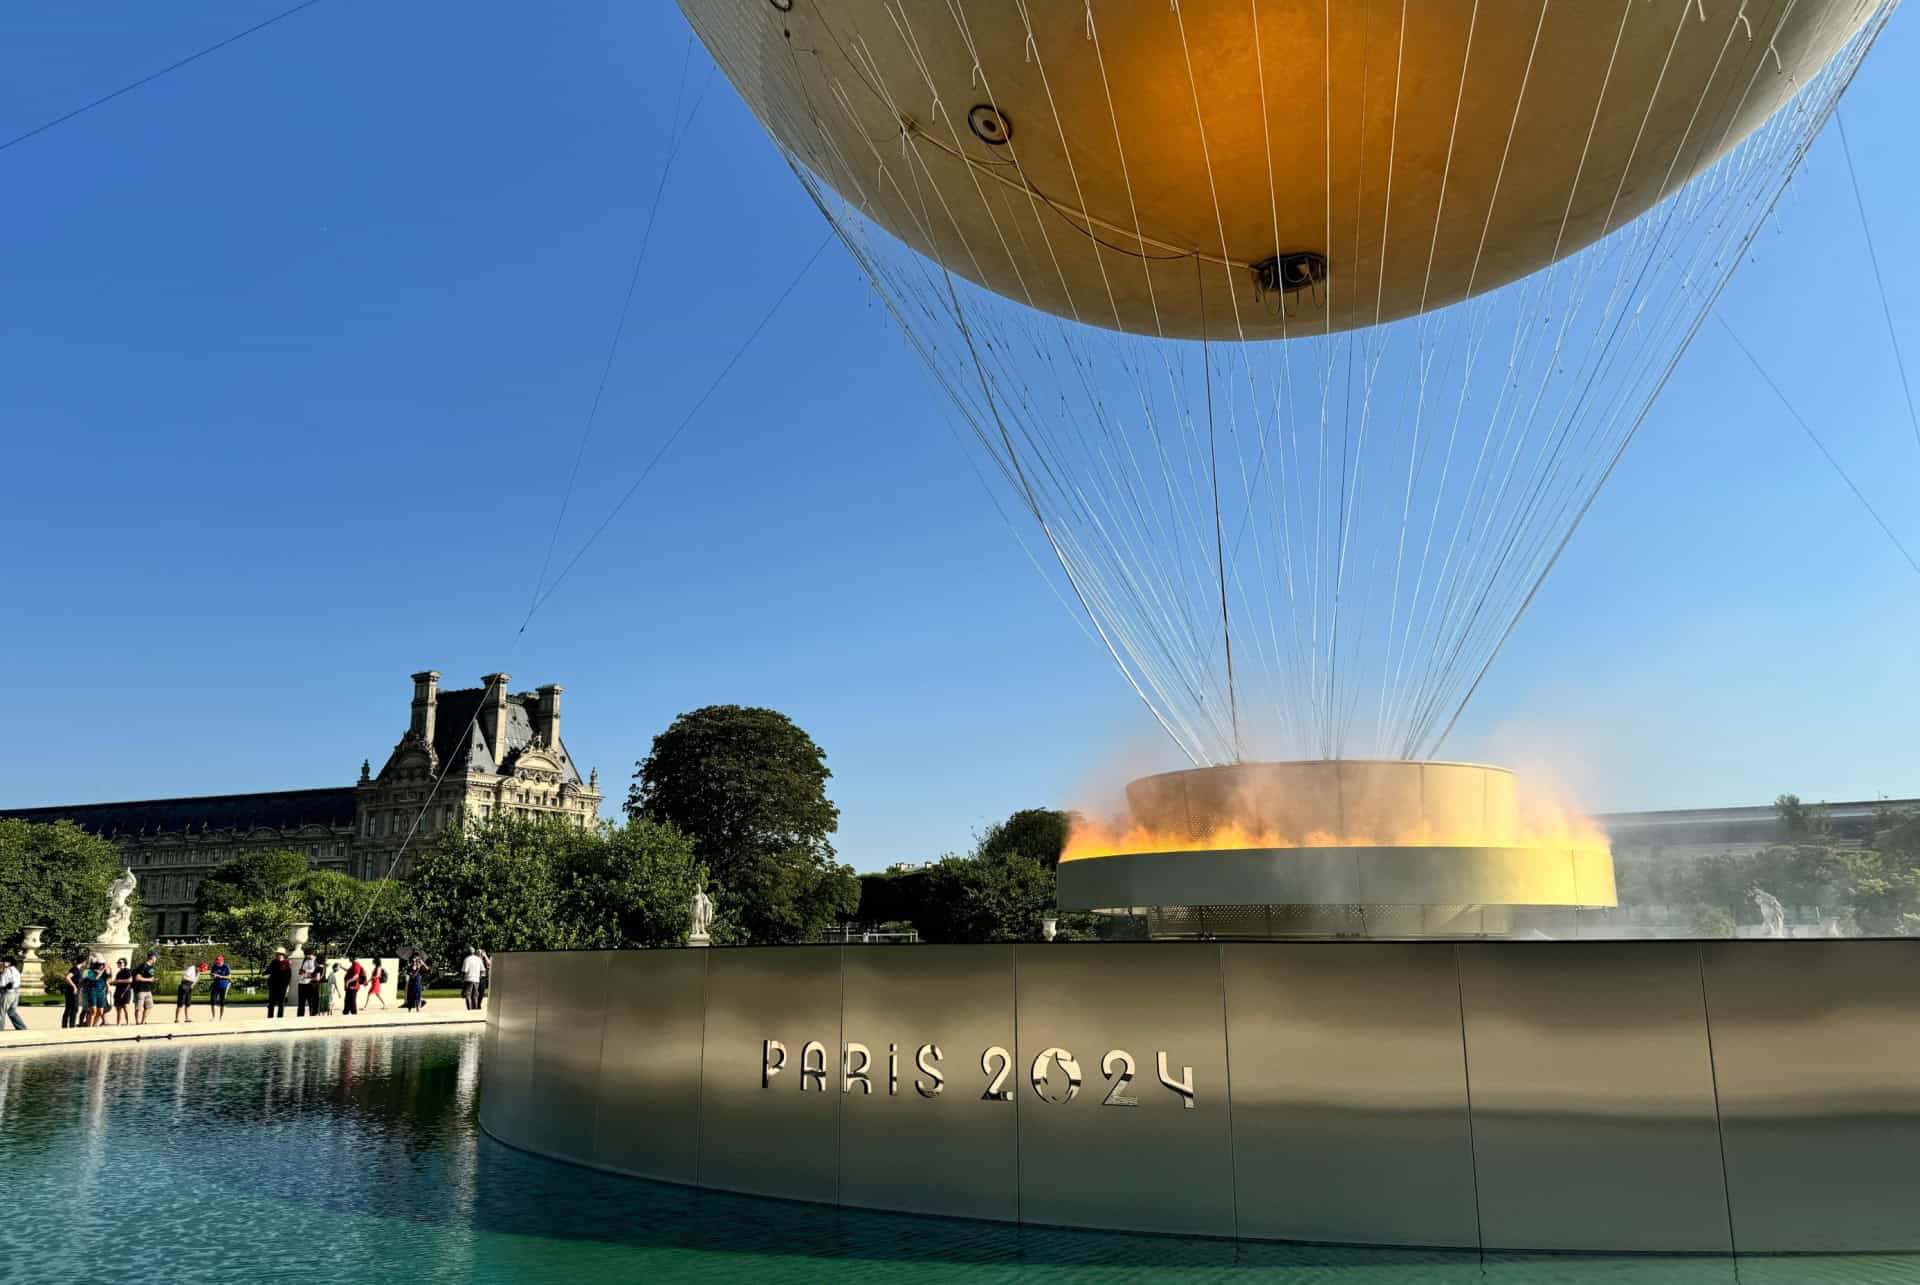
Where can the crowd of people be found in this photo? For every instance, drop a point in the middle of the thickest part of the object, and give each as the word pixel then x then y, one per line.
pixel 92 986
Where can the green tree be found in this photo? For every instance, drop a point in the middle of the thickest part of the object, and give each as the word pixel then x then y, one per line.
pixel 1712 921
pixel 55 875
pixel 748 786
pixel 252 932
pixel 370 915
pixel 1039 833
pixel 252 877
pixel 1886 879
pixel 994 898
pixel 1802 821
pixel 490 885
pixel 628 886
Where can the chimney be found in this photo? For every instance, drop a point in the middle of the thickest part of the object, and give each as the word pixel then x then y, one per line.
pixel 426 699
pixel 493 712
pixel 546 714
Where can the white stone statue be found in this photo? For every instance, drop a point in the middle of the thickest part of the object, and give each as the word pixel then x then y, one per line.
pixel 702 916
pixel 119 912
pixel 1773 916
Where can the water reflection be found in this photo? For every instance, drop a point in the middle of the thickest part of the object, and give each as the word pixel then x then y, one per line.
pixel 249 1160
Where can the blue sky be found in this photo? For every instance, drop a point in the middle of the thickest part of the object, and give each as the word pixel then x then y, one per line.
pixel 296 345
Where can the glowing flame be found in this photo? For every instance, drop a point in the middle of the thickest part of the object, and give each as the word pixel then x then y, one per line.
pixel 1539 825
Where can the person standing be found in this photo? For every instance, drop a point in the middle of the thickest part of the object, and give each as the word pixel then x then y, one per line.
pixel 183 998
pixel 279 977
pixel 221 977
pixel 99 976
pixel 122 993
pixel 309 1001
pixel 70 991
pixel 416 983
pixel 144 978
pixel 486 974
pixel 356 977
pixel 10 995
pixel 336 989
pixel 471 971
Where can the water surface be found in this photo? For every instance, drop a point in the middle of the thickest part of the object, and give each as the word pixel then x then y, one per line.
pixel 358 1158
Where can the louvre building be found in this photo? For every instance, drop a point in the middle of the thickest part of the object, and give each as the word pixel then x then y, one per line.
pixel 501 754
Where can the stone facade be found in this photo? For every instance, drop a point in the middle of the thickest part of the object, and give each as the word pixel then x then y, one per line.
pixel 474 753
pixel 466 755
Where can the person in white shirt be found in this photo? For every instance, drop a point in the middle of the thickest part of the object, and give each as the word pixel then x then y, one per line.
pixel 183 1002
pixel 10 995
pixel 471 969
pixel 309 1001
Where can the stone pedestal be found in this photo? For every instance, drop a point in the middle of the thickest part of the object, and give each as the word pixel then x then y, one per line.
pixel 699 939
pixel 32 976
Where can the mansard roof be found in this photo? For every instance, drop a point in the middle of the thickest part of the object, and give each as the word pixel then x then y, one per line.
pixel 274 810
pixel 456 729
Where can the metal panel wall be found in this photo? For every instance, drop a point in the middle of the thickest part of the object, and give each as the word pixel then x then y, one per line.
pixel 489 1047
pixel 513 998
pixel 1349 1094
pixel 1591 1072
pixel 1163 1165
pixel 649 1089
pixel 1817 1053
pixel 908 1140
pixel 781 1138
pixel 566 1050
pixel 1592 1090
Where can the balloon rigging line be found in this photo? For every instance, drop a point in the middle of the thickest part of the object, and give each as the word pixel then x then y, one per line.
pixel 1123 496
pixel 1819 445
pixel 150 77
pixel 1219 539
pixel 514 641
pixel 1610 351
pixel 678 429
pixel 1836 79
pixel 1879 281
pixel 676 134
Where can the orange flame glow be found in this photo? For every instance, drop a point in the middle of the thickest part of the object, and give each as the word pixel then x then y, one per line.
pixel 1540 825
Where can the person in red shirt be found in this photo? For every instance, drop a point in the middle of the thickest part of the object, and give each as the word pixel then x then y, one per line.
pixel 356 977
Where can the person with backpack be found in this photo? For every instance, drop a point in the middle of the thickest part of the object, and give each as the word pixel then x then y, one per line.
pixel 376 978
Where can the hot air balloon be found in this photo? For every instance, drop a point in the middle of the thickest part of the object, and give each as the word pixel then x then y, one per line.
pixel 1304 332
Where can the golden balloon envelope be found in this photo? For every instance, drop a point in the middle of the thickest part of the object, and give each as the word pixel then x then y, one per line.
pixel 1132 163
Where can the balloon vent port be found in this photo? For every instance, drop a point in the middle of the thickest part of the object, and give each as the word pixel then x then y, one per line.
pixel 1289 273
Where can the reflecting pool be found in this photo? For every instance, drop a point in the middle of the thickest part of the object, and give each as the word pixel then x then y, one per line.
pixel 357 1158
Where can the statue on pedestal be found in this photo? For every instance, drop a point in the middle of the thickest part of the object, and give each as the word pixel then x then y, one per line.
pixel 118 932
pixel 702 918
